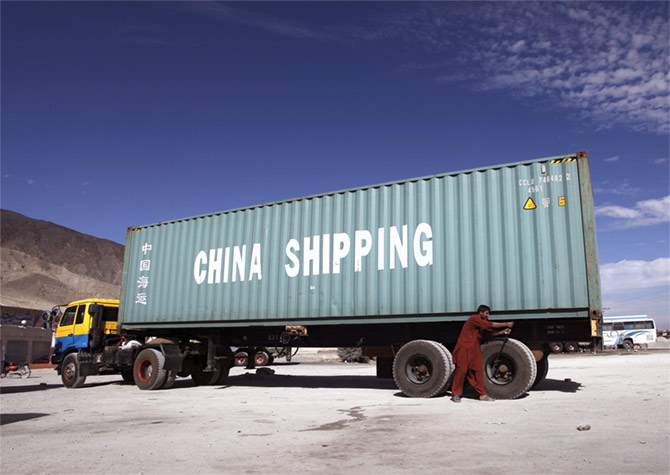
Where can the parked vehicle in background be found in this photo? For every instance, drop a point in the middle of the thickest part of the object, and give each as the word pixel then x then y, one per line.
pixel 395 269
pixel 22 370
pixel 627 332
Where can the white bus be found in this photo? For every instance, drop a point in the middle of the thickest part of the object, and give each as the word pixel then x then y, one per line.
pixel 628 331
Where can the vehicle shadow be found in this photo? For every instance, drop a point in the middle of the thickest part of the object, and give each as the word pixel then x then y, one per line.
pixel 11 418
pixel 28 388
pixel 564 386
pixel 293 381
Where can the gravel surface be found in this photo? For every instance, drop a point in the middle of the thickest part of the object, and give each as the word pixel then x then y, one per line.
pixel 607 413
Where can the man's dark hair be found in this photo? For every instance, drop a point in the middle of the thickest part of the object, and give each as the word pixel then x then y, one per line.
pixel 483 308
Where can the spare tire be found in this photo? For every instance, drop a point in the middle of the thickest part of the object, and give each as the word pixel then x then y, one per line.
pixel 509 368
pixel 422 368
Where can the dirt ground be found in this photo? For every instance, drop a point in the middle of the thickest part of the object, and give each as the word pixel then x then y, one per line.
pixel 325 417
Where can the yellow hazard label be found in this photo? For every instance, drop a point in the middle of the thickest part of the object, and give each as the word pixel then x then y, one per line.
pixel 530 204
pixel 561 201
pixel 563 160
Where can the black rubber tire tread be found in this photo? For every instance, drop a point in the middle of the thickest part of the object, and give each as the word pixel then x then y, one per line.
pixel 70 372
pixel 526 368
pixel 223 377
pixel 628 345
pixel 128 375
pixel 441 368
pixel 169 380
pixel 239 354
pixel 556 347
pixel 571 346
pixel 266 358
pixel 207 378
pixel 447 386
pixel 158 373
pixel 542 370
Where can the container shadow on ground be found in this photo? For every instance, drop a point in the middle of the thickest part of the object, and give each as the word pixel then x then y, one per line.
pixel 11 418
pixel 299 381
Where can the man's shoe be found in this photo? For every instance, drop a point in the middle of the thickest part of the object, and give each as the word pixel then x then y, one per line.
pixel 456 398
pixel 486 398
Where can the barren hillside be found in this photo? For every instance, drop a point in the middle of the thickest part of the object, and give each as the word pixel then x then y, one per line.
pixel 44 264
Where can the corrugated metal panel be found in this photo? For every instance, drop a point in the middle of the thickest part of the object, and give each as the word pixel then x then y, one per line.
pixel 420 249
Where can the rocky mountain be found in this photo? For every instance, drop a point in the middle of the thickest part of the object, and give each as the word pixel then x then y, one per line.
pixel 44 264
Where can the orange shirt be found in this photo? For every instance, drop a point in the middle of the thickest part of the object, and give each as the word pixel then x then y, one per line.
pixel 468 350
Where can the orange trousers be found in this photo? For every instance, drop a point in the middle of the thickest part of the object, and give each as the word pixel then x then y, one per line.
pixel 475 378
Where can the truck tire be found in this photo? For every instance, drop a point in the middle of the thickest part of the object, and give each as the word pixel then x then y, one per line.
pixel 241 358
pixel 169 380
pixel 509 368
pixel 571 346
pixel 201 377
pixel 262 358
pixel 422 368
pixel 542 370
pixel 128 375
pixel 149 369
pixel 628 344
pixel 556 346
pixel 70 372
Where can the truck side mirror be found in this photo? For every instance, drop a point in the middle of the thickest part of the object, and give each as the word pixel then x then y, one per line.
pixel 93 308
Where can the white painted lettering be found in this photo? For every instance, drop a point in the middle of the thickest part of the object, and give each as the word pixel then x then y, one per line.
pixel 423 250
pixel 310 254
pixel 214 270
pixel 362 247
pixel 341 246
pixel 198 272
pixel 292 247
pixel 398 246
pixel 255 267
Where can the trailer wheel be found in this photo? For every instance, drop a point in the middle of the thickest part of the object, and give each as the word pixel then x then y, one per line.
pixel 422 368
pixel 571 346
pixel 241 358
pixel 542 370
pixel 509 368
pixel 149 369
pixel 201 377
pixel 628 344
pixel 128 375
pixel 262 358
pixel 169 380
pixel 556 346
pixel 70 372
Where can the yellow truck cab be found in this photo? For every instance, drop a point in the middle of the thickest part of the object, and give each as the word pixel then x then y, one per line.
pixel 84 325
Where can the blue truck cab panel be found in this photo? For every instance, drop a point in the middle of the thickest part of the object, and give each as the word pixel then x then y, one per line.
pixel 74 328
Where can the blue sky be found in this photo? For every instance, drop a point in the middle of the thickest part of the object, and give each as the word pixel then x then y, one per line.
pixel 117 114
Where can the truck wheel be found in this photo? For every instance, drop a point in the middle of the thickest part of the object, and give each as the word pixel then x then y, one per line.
pixel 628 344
pixel 571 346
pixel 509 368
pixel 207 378
pixel 556 347
pixel 169 380
pixel 128 375
pixel 542 370
pixel 422 368
pixel 241 358
pixel 70 372
pixel 262 358
pixel 149 372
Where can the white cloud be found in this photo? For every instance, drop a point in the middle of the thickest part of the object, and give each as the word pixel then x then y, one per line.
pixel 660 161
pixel 634 274
pixel 607 62
pixel 644 213
pixel 615 158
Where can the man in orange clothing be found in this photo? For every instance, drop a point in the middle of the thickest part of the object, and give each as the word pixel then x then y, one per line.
pixel 468 353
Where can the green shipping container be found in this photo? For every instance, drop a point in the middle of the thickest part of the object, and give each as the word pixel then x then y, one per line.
pixel 519 237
